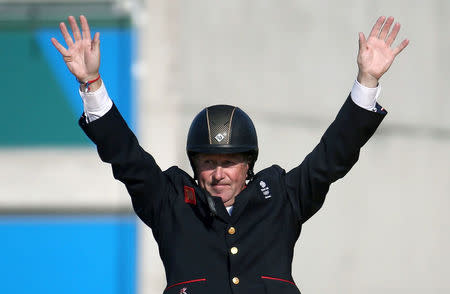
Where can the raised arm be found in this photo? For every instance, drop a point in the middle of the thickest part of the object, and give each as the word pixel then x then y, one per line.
pixel 82 55
pixel 116 143
pixel 338 149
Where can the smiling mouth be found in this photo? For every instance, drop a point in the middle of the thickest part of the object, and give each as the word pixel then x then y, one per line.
pixel 219 187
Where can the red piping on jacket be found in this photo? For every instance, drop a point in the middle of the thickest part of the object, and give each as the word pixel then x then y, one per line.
pixel 186 282
pixel 276 279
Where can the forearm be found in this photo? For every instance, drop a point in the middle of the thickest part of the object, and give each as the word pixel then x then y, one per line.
pixel 367 80
pixel 94 86
pixel 365 97
pixel 336 153
pixel 117 145
pixel 96 101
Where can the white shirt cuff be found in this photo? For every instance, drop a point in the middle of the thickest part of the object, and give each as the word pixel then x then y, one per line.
pixel 365 97
pixel 96 104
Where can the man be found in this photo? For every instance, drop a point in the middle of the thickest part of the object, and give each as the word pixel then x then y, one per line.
pixel 228 230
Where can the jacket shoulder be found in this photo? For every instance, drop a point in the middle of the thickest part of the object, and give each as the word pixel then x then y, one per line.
pixel 179 180
pixel 274 170
pixel 177 176
pixel 273 178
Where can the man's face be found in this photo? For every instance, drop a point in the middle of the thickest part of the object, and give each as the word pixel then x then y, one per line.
pixel 222 175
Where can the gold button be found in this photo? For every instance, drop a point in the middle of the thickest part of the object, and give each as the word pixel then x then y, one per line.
pixel 231 230
pixel 234 250
pixel 235 280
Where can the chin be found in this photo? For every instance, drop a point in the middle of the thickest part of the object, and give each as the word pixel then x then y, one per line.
pixel 225 198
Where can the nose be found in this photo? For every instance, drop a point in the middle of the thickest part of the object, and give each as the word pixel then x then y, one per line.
pixel 218 173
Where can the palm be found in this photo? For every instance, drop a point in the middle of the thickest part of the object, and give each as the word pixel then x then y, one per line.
pixel 81 60
pixel 376 58
pixel 376 55
pixel 82 57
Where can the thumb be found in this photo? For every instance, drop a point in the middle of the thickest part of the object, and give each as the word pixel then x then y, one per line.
pixel 96 41
pixel 362 41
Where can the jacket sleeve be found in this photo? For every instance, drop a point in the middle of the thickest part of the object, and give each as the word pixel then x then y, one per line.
pixel 116 144
pixel 336 153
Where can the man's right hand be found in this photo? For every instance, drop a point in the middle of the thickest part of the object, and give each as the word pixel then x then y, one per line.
pixel 82 57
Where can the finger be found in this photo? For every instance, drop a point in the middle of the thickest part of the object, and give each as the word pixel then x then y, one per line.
pixel 66 35
pixel 75 29
pixel 85 28
pixel 386 28
pixel 362 41
pixel 400 47
pixel 391 38
pixel 96 41
pixel 376 27
pixel 59 47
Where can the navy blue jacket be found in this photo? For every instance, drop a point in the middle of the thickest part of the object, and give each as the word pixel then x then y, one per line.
pixel 250 251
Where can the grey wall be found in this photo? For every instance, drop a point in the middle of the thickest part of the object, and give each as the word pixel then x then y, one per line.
pixel 290 65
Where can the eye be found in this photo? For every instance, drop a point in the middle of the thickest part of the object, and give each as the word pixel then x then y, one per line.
pixel 228 163
pixel 207 164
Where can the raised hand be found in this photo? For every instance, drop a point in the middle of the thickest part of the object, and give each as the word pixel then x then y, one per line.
pixel 375 54
pixel 82 57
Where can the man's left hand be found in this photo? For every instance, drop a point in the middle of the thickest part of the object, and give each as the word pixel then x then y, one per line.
pixel 375 54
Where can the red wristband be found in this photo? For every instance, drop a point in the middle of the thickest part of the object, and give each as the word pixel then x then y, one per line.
pixel 86 84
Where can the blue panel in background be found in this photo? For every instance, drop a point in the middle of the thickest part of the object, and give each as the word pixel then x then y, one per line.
pixel 116 46
pixel 68 254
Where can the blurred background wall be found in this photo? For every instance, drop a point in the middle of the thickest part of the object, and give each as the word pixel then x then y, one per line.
pixel 67 227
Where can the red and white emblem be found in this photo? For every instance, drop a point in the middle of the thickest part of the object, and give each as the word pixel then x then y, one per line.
pixel 183 291
pixel 189 196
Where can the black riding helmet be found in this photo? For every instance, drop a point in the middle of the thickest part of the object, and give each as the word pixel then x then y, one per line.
pixel 223 129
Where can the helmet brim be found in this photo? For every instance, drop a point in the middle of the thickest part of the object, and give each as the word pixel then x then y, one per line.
pixel 222 149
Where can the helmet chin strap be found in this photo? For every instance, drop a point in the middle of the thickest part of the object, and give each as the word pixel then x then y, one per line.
pixel 211 205
pixel 209 199
pixel 250 174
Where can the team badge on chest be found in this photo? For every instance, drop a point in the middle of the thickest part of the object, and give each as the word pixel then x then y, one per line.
pixel 265 190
